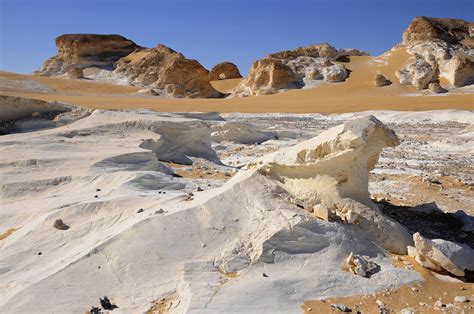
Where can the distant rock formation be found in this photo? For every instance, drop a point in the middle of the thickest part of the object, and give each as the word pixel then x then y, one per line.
pixel 224 71
pixel 86 50
pixel 165 69
pixel 442 48
pixel 116 59
pixel 296 68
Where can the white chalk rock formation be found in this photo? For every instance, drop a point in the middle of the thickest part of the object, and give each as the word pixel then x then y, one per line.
pixel 441 48
pixel 297 68
pixel 239 132
pixel 441 255
pixel 187 252
pixel 328 176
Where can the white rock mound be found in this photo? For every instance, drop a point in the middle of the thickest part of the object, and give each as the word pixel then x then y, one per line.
pixel 239 132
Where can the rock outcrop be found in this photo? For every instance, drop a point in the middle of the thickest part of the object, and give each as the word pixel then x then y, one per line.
pixel 167 70
pixel 380 80
pixel 86 50
pixel 442 256
pixel 298 68
pixel 441 48
pixel 224 71
pixel 75 73
pixel 118 60
pixel 328 177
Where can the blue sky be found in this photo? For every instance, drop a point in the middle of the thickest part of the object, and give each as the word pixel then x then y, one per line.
pixel 212 31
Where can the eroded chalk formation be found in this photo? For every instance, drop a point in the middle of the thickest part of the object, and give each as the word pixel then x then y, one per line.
pixel 291 69
pixel 441 48
pixel 328 177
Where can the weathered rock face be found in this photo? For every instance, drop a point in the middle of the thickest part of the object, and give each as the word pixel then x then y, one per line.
pixel 86 50
pixel 452 31
pixel 380 80
pixel 441 255
pixel 436 88
pixel 224 71
pixel 296 68
pixel 75 73
pixel 419 73
pixel 328 176
pixel 441 48
pixel 163 68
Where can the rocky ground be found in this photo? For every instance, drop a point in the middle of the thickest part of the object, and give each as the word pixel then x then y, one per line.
pixel 181 211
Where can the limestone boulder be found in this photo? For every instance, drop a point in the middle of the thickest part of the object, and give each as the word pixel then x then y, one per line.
pixel 380 80
pixel 418 73
pixel 334 73
pixel 86 50
pixel 461 70
pixel 441 255
pixel 224 71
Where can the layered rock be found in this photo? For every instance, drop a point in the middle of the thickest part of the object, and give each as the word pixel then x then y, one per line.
pixel 75 73
pixel 298 68
pixel 165 69
pixel 442 256
pixel 224 71
pixel 441 48
pixel 86 50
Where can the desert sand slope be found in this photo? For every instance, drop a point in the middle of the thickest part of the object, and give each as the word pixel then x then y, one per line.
pixel 357 93
pixel 136 235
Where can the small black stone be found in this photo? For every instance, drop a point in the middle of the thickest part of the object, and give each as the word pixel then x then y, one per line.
pixel 40 253
pixel 98 190
pixel 96 196
pixel 140 211
pixel 264 275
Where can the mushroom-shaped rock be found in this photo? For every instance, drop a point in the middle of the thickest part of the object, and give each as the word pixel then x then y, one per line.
pixel 224 71
pixel 86 50
pixel 328 175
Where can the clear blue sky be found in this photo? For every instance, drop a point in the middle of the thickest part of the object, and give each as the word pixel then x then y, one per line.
pixel 213 31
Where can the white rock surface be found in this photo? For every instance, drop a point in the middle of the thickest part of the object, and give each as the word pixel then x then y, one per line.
pixel 442 255
pixel 239 132
pixel 178 249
